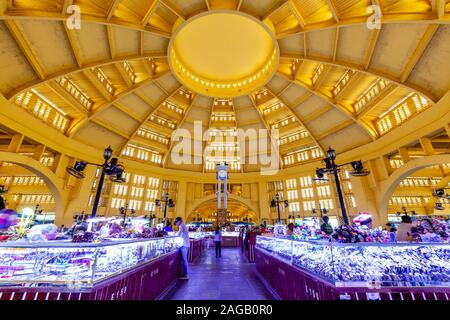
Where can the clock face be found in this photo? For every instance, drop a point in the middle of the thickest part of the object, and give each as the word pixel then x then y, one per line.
pixel 222 173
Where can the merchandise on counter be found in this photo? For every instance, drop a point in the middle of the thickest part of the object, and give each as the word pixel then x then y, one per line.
pixel 388 264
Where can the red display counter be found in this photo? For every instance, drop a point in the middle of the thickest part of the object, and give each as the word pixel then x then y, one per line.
pixel 146 282
pixel 118 269
pixel 196 249
pixel 249 245
pixel 230 239
pixel 290 283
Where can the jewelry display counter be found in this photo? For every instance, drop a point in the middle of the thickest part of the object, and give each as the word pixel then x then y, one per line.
pixel 198 244
pixel 62 270
pixel 322 270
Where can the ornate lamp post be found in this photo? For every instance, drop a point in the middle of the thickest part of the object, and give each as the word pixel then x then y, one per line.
pixel 110 168
pixel 167 203
pixel 276 203
pixel 332 168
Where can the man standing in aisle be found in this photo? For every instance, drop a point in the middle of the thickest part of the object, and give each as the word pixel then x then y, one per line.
pixel 184 234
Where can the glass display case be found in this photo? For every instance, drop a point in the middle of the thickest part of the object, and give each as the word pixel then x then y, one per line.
pixel 230 234
pixel 360 264
pixel 76 264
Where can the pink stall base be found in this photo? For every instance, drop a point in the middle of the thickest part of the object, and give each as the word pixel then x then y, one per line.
pixel 197 246
pixel 146 282
pixel 290 283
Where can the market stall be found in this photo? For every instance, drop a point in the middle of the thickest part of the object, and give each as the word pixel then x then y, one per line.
pixel 323 270
pixel 230 239
pixel 62 270
pixel 198 244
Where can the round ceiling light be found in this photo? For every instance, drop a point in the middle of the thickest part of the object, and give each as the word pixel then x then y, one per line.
pixel 223 54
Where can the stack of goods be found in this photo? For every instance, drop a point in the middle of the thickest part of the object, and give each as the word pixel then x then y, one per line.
pixel 305 232
pixel 353 234
pixel 430 230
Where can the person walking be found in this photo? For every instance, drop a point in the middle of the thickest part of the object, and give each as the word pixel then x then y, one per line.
pixel 404 230
pixel 184 234
pixel 218 242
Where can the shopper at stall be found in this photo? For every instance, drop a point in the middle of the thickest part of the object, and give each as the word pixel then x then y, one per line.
pixel 168 227
pixel 184 234
pixel 404 232
pixel 218 242
pixel 326 226
pixel 290 229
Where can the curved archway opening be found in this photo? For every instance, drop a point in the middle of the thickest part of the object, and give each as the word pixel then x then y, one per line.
pixel 31 183
pixel 411 187
pixel 206 212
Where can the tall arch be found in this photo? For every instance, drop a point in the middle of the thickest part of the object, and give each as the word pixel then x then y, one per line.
pixel 199 202
pixel 54 183
pixel 388 186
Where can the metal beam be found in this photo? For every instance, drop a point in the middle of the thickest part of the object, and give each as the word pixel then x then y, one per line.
pixel 335 129
pixel 25 47
pixel 177 11
pixel 372 105
pixel 63 94
pixel 97 84
pixel 111 128
pixel 277 7
pixel 418 52
pixel 336 43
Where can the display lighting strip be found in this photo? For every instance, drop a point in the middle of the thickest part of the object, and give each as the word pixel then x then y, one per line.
pixel 208 83
pixel 401 111
pixel 129 70
pixel 373 91
pixel 43 109
pixel 164 122
pixel 223 116
pixel 317 73
pixel 71 88
pixel 272 108
pixel 148 134
pixel 293 137
pixel 343 82
pixel 283 123
pixel 104 80
pixel 171 106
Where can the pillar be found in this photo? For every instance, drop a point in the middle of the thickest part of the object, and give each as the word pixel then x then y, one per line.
pixel 180 205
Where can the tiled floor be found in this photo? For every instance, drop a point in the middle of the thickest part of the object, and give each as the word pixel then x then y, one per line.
pixel 230 277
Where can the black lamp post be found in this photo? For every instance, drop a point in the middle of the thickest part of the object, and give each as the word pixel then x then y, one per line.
pixel 167 203
pixel 276 203
pixel 110 167
pixel 332 168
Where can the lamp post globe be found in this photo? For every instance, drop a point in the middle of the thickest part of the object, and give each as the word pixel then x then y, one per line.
pixel 107 153
pixel 331 154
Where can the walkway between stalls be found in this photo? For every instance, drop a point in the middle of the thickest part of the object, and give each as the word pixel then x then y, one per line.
pixel 230 277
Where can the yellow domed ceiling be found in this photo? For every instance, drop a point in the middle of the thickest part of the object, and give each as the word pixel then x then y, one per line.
pixel 330 75
pixel 223 54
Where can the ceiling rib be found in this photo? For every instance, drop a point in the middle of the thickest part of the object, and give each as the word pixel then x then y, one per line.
pixel 298 118
pixel 73 129
pixel 25 47
pixel 10 95
pixel 359 68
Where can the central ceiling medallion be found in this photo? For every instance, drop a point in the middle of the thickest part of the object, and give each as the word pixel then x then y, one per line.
pixel 223 54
